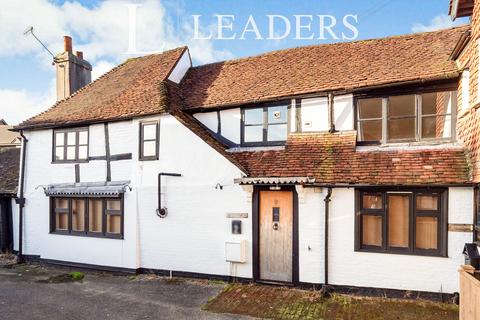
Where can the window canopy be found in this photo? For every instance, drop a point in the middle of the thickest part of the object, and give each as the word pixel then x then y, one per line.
pixel 90 189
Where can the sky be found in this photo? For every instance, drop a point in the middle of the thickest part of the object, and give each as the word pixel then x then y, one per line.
pixel 107 34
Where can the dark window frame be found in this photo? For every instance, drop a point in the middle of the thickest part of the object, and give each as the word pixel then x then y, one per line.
pixel 419 116
pixel 441 214
pixel 476 217
pixel 65 144
pixel 265 124
pixel 86 232
pixel 142 141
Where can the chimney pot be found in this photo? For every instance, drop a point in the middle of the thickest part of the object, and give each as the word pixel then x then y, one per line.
pixel 67 44
pixel 79 54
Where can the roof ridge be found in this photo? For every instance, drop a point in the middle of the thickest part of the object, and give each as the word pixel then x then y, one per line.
pixel 264 54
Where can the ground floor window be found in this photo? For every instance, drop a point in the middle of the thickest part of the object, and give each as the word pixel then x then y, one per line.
pixel 402 221
pixel 99 217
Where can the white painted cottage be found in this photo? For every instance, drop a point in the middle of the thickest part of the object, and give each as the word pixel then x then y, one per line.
pixel 334 164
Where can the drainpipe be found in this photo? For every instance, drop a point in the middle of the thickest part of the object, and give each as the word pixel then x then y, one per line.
pixel 327 212
pixel 21 200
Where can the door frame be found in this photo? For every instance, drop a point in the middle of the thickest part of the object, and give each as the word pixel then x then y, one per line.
pixel 256 231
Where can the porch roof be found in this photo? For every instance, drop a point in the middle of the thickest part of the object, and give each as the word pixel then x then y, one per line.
pixel 90 189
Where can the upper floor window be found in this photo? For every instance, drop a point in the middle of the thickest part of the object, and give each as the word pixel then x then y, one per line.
pixel 266 125
pixel 70 145
pixel 407 118
pixel 149 136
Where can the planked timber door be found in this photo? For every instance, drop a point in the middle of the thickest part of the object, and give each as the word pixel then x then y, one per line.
pixel 276 235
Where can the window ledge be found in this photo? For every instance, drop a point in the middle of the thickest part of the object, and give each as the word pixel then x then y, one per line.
pixel 405 253
pixel 253 149
pixel 411 146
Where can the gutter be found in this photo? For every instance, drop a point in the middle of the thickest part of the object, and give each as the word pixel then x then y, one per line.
pixel 327 213
pixel 21 200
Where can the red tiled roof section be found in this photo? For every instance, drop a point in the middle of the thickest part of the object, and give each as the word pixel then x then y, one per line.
pixel 339 66
pixel 332 158
pixel 130 89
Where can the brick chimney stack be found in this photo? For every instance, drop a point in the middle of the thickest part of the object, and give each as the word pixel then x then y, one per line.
pixel 73 72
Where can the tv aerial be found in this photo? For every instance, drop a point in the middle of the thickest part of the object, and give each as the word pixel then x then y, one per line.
pixel 29 31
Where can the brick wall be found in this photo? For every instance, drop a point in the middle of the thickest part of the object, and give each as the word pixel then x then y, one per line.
pixel 468 120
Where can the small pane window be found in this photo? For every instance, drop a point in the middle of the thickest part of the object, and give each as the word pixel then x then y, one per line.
pixel 398 220
pixel 95 215
pixel 372 201
pixel 253 134
pixel 277 132
pixel 372 230
pixel 401 123
pixel 254 116
pixel 70 145
pixel 78 215
pixel 113 223
pixel 427 202
pixel 277 114
pixel 149 134
pixel 426 233
pixel 369 119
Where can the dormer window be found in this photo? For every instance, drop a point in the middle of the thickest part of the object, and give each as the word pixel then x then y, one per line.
pixel 407 118
pixel 267 125
pixel 70 145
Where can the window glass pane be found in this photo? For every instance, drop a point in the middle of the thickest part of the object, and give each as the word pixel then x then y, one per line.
pixel 149 131
pixel 254 116
pixel 78 215
pixel 372 230
pixel 94 215
pixel 83 137
pixel 437 127
pixel 401 106
pixel 369 108
pixel 82 152
pixel 277 132
pixel 372 201
pixel 71 138
pixel 61 203
pixel 59 138
pixel 427 202
pixel 253 134
pixel 426 232
pixel 277 114
pixel 370 130
pixel 61 221
pixel 150 148
pixel 398 217
pixel 113 223
pixel 401 129
pixel 70 153
pixel 113 204
pixel 59 153
pixel 436 103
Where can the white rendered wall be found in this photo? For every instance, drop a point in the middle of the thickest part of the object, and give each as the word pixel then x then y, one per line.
pixel 192 237
pixel 395 271
pixel 231 124
pixel 208 119
pixel 311 219
pixel 343 112
pixel 315 114
pixel 181 68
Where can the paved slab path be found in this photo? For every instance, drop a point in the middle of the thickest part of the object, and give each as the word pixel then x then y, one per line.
pixel 24 294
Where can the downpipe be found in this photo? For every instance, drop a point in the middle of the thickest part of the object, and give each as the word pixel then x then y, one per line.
pixel 327 218
pixel 21 199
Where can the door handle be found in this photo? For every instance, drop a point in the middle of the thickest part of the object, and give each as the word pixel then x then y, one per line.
pixel 275 226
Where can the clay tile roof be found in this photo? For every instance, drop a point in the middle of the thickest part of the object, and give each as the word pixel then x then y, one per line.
pixel 340 66
pixel 334 159
pixel 8 137
pixel 9 167
pixel 130 89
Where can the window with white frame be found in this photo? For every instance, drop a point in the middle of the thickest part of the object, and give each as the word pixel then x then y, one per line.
pixel 406 118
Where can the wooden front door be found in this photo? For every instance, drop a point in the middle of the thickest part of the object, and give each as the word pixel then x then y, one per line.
pixel 276 235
